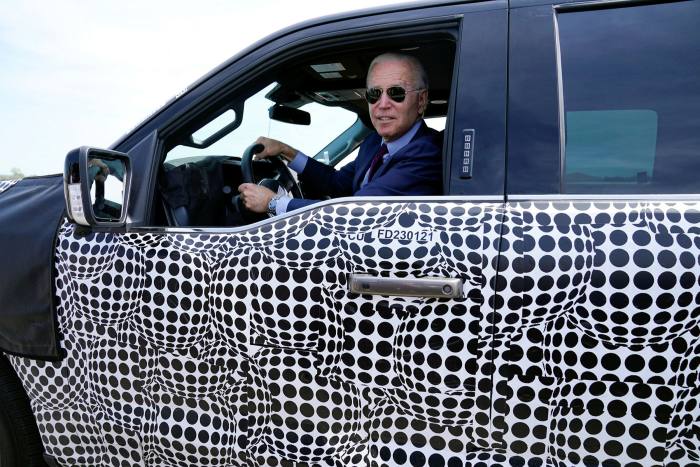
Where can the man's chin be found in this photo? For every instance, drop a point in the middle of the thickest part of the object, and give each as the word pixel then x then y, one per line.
pixel 387 135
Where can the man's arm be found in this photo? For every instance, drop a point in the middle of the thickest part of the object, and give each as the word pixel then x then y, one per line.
pixel 325 180
pixel 322 179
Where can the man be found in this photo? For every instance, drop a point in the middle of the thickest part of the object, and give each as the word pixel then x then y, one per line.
pixel 401 158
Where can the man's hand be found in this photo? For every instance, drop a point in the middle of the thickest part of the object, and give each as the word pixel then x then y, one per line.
pixel 273 148
pixel 255 197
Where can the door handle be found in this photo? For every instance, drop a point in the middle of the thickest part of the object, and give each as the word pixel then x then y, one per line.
pixel 439 287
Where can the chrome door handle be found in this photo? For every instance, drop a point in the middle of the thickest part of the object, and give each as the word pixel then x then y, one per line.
pixel 439 287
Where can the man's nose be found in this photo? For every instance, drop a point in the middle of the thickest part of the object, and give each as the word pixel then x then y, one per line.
pixel 384 100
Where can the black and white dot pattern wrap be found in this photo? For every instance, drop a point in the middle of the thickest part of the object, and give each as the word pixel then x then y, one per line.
pixel 596 333
pixel 578 345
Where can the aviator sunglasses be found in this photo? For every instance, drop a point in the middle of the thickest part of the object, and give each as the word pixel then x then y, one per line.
pixel 395 93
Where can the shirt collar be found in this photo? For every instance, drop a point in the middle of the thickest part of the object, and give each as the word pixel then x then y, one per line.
pixel 396 145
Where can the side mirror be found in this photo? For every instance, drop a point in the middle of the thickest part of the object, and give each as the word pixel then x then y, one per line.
pixel 96 186
pixel 284 114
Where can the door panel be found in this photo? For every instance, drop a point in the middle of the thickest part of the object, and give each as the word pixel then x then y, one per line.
pixel 598 336
pixel 225 347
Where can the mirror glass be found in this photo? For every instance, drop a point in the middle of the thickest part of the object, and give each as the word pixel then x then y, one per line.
pixel 106 181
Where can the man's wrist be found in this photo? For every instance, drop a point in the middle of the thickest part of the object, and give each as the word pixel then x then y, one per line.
pixel 289 153
pixel 298 164
pixel 272 205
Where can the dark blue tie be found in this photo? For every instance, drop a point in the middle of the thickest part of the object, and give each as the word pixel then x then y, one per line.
pixel 377 161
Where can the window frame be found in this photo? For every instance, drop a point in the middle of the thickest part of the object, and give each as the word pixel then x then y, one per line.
pixel 479 104
pixel 445 27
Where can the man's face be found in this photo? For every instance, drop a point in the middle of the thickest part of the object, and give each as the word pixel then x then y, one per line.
pixel 393 119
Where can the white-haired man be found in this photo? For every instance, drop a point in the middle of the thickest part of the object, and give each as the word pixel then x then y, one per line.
pixel 401 158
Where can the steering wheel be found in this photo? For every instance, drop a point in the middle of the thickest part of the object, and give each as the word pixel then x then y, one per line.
pixel 283 179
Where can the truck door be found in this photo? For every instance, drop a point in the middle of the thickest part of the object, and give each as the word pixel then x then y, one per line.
pixel 598 331
pixel 234 344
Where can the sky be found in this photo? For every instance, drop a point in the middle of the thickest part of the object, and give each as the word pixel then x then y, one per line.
pixel 84 72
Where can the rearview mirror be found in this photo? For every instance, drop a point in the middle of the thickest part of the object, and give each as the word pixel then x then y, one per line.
pixel 291 115
pixel 96 186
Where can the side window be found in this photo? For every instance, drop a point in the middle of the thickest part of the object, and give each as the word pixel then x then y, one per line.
pixel 631 96
pixel 313 102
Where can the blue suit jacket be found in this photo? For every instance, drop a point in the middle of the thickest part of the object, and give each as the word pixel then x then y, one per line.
pixel 416 169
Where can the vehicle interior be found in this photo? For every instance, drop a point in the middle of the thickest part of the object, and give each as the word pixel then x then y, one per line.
pixel 314 103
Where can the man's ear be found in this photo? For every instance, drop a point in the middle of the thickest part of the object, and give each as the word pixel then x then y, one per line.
pixel 422 101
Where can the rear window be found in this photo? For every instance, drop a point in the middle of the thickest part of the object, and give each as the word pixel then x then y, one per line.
pixel 631 98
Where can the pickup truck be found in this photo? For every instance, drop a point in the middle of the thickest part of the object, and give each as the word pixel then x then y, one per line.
pixel 543 310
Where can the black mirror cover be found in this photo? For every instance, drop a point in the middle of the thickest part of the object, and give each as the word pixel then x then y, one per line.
pixel 96 186
pixel 291 115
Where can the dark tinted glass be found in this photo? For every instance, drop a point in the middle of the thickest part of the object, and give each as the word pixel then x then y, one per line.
pixel 632 99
